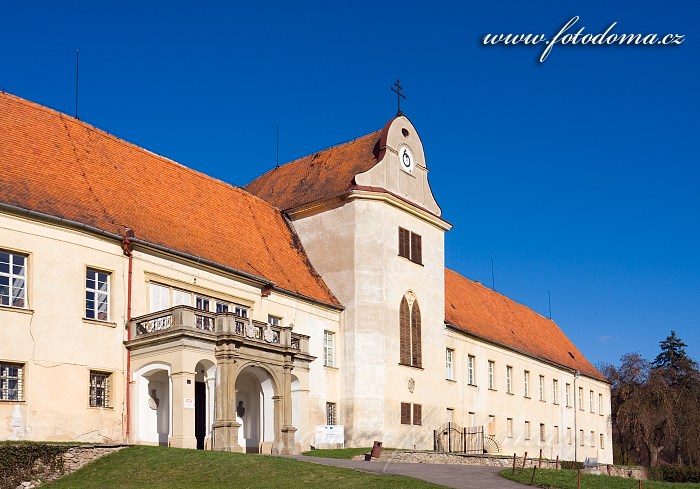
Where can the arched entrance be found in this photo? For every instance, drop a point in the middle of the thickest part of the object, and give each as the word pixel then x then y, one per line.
pixel 153 404
pixel 204 387
pixel 255 409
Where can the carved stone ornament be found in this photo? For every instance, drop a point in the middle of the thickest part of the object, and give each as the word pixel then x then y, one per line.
pixel 267 335
pixel 250 330
pixel 411 385
pixel 153 401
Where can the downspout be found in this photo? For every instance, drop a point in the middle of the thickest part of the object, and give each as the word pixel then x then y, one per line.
pixel 128 250
pixel 575 416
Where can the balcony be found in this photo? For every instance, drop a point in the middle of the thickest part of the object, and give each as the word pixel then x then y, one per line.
pixel 179 321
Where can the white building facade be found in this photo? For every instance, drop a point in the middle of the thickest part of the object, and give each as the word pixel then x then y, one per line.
pixel 141 301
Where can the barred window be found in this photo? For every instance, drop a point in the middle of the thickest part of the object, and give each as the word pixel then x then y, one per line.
pixel 97 295
pixel 13 279
pixel 328 349
pixel 330 413
pixel 99 389
pixel 11 381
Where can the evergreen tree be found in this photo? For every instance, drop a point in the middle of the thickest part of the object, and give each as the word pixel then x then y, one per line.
pixel 673 361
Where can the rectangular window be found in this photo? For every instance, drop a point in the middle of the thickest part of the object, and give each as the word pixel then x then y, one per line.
pixel 509 427
pixel 541 387
pixel 181 298
pixel 329 349
pixel 602 441
pixel 492 366
pixel 526 383
pixel 410 246
pixel 11 381
pixel 472 419
pixel 527 430
pixel 555 391
pixel 556 434
pixel 509 381
pixel 593 438
pixel 542 432
pixel 450 415
pixel 330 413
pixel 159 297
pixel 99 389
pixel 580 436
pixel 222 307
pixel 97 295
pixel 568 436
pixel 13 279
pixel 470 370
pixel 240 311
pixel 448 363
pixel 600 404
pixel 492 425
pixel 202 303
pixel 590 401
pixel 417 414
pixel 274 321
pixel 568 395
pixel 580 398
pixel 405 413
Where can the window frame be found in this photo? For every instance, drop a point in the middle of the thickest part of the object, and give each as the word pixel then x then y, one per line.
pixel 103 401
pixel 96 291
pixel 491 374
pixel 328 349
pixel 600 404
pixel 591 404
pixel 527 430
pixel 6 379
pixel 568 395
pixel 331 413
pixel 509 427
pixel 12 277
pixel 542 393
pixel 274 320
pixel 509 379
pixel 449 366
pixel 526 383
pixel 410 246
pixel 471 370
pixel 555 391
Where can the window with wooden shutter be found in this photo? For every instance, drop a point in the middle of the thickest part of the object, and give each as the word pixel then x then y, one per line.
pixel 404 333
pixel 404 243
pixel 416 249
pixel 160 297
pixel 416 356
pixel 417 414
pixel 405 413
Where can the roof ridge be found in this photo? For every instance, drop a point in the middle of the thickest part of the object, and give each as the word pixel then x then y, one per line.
pixel 89 126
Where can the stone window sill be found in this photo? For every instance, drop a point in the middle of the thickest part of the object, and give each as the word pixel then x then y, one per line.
pixel 21 310
pixel 99 322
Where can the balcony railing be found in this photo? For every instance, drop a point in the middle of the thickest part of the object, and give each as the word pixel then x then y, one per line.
pixel 183 318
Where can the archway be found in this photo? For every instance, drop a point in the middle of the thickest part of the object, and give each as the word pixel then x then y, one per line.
pixel 255 409
pixel 153 404
pixel 204 387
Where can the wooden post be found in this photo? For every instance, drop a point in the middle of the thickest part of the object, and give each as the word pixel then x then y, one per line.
pixel 513 464
pixel 578 483
pixel 539 465
pixel 524 460
pixel 532 479
pixel 640 483
pixel 556 464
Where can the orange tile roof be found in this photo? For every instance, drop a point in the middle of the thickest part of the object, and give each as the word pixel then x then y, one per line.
pixel 57 165
pixel 479 311
pixel 317 176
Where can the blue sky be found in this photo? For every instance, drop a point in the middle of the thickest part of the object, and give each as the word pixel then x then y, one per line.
pixel 578 175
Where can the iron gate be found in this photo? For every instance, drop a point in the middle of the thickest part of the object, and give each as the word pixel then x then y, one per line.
pixel 451 438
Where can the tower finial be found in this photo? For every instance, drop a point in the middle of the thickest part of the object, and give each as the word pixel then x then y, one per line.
pixel 397 90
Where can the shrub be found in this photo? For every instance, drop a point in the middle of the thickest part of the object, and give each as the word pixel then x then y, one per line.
pixel 675 473
pixel 571 465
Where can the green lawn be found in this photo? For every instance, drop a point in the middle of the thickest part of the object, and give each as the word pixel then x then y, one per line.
pixel 172 468
pixel 566 479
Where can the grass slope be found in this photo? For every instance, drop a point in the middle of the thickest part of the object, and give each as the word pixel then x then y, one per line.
pixel 172 468
pixel 566 479
pixel 346 453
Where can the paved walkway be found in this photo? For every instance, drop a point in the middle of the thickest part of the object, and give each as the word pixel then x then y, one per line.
pixel 457 476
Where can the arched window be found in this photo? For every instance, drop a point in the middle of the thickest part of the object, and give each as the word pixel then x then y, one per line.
pixel 410 331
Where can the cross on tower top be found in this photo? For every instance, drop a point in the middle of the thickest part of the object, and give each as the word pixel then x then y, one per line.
pixel 397 90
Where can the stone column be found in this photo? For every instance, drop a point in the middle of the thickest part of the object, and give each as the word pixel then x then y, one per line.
pixel 288 429
pixel 225 426
pixel 183 410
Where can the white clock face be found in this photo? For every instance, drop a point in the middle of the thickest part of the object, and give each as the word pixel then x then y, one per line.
pixel 406 161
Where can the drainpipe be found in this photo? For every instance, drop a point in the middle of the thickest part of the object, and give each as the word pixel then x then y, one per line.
pixel 576 373
pixel 128 250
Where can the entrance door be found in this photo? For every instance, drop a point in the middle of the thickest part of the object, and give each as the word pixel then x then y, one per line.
pixel 200 413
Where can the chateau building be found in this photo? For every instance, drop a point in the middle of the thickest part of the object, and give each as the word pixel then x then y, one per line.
pixel 142 301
